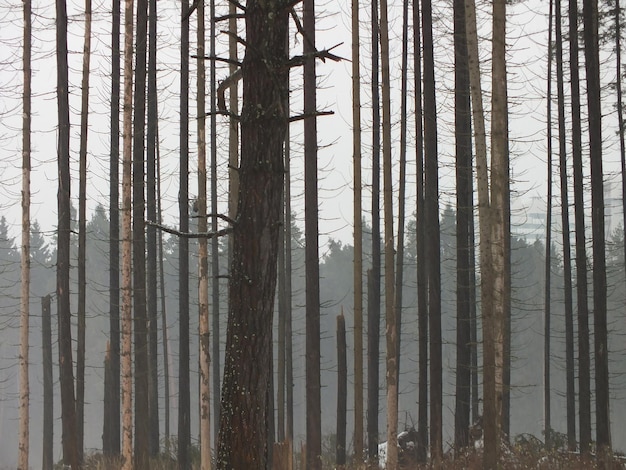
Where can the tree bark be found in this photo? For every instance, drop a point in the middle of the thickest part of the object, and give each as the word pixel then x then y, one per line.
pixel 244 420
pixel 592 68
pixel 24 400
pixel 126 287
pixel 66 375
pixel 463 141
pixel 342 391
pixel 82 236
pixel 111 419
pixel 48 392
pixel 203 261
pixel 358 235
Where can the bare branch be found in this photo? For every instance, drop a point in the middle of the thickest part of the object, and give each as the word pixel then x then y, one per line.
pixel 301 117
pixel 238 5
pixel 190 11
pixel 178 233
pixel 221 89
pixel 238 16
pixel 218 59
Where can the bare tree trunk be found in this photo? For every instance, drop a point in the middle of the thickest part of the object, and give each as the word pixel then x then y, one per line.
pixel 390 312
pixel 565 223
pixel 358 236
pixel 431 198
pixel 592 66
pixel 111 424
pixel 24 401
pixel 48 387
pixel 548 244
pixel 184 407
pixel 311 234
pixel 620 113
pixel 373 281
pixel 66 376
pixel 463 141
pixel 422 283
pixel 82 236
pixel 203 262
pixel 244 422
pixel 584 393
pixel 126 287
pixel 342 391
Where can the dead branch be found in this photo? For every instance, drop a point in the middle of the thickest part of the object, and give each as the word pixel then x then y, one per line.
pixel 221 89
pixel 301 117
pixel 192 235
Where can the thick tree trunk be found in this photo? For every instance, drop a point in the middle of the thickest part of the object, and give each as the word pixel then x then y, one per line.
pixel 111 420
pixel 592 67
pixel 126 327
pixel 24 400
pixel 463 141
pixel 244 420
pixel 66 375
pixel 203 261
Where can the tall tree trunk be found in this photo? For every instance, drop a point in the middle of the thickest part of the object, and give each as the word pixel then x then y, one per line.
pixel 244 421
pixel 399 281
pixel 620 114
pixel 342 391
pixel 66 375
pixel 151 235
pixel 358 235
pixel 203 261
pixel 584 392
pixel 494 326
pixel 463 141
pixel 82 236
pixel 592 67
pixel 373 282
pixel 311 234
pixel 431 198
pixel 422 283
pixel 184 407
pixel 24 401
pixel 142 413
pixel 548 245
pixel 570 392
pixel 48 387
pixel 127 235
pixel 111 424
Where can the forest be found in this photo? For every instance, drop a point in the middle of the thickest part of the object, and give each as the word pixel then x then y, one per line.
pixel 293 234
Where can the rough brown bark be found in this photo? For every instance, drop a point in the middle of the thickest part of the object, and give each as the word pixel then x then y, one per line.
pixel 243 438
pixel 48 392
pixel 342 391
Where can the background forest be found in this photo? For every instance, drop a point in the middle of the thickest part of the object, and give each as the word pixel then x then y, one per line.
pixel 137 233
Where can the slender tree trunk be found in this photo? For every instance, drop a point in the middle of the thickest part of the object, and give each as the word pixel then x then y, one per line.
pixel 184 407
pixel 422 283
pixel 140 325
pixel 342 391
pixel 66 376
pixel 567 257
pixel 548 245
pixel 431 198
pixel 126 287
pixel 24 401
pixel 584 392
pixel 111 424
pixel 82 236
pixel 463 141
pixel 358 235
pixel 48 388
pixel 592 67
pixel 373 282
pixel 151 235
pixel 203 261
pixel 311 233
pixel 399 281
pixel 244 422
pixel 620 114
